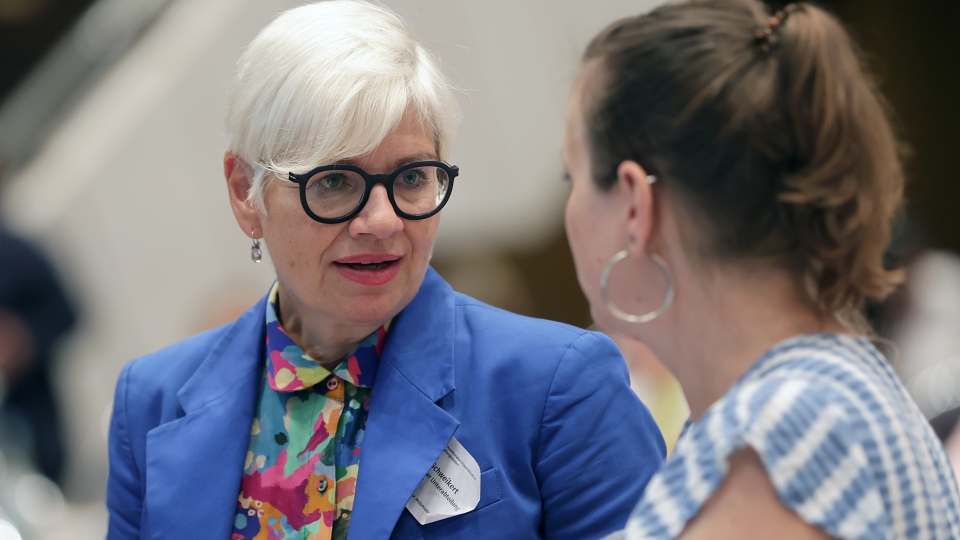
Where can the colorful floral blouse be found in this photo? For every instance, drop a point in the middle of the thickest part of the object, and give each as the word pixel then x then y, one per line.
pixel 301 468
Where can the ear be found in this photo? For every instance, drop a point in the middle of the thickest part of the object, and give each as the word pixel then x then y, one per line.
pixel 239 180
pixel 641 216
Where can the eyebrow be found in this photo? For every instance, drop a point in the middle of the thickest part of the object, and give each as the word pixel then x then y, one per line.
pixel 411 158
pixel 422 156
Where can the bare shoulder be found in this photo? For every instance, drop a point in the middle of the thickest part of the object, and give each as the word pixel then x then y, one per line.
pixel 746 506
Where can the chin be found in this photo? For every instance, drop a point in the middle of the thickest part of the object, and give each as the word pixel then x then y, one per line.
pixel 370 309
pixel 371 305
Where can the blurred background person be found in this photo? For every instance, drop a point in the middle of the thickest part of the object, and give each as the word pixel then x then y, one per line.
pixel 921 321
pixel 35 315
pixel 734 178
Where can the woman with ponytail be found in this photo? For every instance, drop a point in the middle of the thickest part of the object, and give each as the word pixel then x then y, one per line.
pixel 734 175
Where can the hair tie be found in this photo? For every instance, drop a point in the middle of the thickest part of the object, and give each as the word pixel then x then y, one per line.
pixel 767 36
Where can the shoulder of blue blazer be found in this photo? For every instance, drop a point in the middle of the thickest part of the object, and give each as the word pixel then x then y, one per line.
pixel 504 344
pixel 158 377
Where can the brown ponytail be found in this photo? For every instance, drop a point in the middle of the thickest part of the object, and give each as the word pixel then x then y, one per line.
pixel 781 145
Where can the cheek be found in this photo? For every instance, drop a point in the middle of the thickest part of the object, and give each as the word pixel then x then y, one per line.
pixel 588 243
pixel 581 232
pixel 423 235
pixel 297 244
pixel 592 230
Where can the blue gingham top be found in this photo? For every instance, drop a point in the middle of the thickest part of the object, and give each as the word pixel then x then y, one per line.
pixel 844 445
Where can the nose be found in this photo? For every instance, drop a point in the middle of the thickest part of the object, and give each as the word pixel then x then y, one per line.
pixel 378 217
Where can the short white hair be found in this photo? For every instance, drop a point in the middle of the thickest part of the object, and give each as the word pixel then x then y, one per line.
pixel 329 81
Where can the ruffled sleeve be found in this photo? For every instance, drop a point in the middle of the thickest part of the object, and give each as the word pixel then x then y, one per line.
pixel 810 438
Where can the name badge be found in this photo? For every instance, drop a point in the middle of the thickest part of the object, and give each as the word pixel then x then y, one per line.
pixel 450 488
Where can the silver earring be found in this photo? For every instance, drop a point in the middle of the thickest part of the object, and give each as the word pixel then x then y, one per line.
pixel 646 317
pixel 255 253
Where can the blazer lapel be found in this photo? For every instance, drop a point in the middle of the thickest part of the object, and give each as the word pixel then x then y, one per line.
pixel 406 430
pixel 195 463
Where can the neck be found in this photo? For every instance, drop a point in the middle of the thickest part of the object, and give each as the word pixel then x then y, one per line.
pixel 721 328
pixel 327 341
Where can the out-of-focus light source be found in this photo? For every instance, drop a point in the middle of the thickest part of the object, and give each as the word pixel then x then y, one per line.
pixel 8 531
pixel 39 500
pixel 18 12
pixel 937 388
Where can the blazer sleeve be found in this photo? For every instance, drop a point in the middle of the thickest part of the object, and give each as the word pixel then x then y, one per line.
pixel 592 421
pixel 124 489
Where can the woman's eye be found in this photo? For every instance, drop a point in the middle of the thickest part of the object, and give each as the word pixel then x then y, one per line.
pixel 410 177
pixel 331 181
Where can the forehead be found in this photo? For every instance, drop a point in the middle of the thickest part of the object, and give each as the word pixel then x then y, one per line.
pixel 586 88
pixel 411 140
pixel 574 120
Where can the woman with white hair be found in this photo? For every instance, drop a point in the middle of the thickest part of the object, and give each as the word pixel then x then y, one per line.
pixel 362 393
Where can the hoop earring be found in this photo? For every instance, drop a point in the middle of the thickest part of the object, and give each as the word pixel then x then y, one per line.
pixel 628 317
pixel 255 253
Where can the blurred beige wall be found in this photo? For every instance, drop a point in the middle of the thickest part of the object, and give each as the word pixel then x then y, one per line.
pixel 129 198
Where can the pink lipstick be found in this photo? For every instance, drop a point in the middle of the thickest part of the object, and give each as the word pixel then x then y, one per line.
pixel 369 269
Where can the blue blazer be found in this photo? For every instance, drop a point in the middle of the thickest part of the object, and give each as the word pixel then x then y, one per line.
pixel 564 446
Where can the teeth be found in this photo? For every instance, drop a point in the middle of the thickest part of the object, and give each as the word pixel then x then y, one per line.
pixel 369 265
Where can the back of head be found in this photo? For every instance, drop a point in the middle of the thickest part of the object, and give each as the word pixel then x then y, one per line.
pixel 775 143
pixel 328 81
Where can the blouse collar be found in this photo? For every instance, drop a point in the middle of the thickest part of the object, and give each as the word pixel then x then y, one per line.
pixel 290 368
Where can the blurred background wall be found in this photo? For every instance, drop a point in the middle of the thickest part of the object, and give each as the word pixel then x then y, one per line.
pixel 111 140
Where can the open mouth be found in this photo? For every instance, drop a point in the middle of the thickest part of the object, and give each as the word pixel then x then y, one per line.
pixel 369 269
pixel 369 266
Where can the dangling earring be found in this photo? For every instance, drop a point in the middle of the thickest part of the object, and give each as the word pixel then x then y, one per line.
pixel 646 317
pixel 255 253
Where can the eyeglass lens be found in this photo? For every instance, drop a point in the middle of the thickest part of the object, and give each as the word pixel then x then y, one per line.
pixel 417 191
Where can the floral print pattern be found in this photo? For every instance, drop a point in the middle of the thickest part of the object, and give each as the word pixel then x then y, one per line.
pixel 304 454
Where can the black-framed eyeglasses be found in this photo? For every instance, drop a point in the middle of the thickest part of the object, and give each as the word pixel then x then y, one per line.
pixel 337 193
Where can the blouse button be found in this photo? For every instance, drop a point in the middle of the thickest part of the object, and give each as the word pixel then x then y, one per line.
pixel 322 485
pixel 332 384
